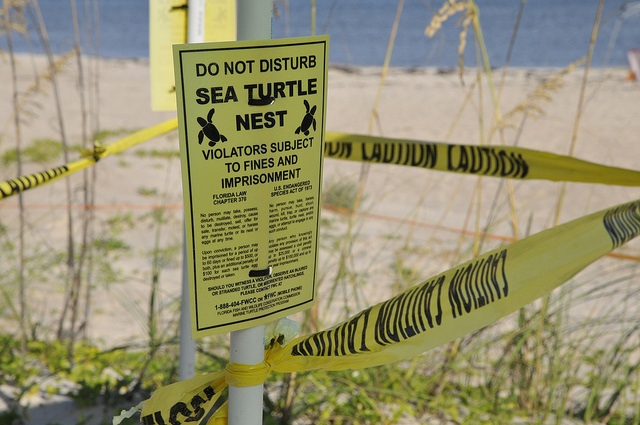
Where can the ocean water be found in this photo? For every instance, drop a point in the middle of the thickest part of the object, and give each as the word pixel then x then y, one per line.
pixel 552 33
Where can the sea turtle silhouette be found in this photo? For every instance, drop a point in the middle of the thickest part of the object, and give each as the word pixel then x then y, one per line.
pixel 209 130
pixel 308 120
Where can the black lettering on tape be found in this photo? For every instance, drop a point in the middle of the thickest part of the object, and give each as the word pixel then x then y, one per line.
pixel 338 149
pixel 153 419
pixel 329 344
pixel 319 343
pixel 408 328
pixel 403 315
pixel 198 412
pixel 308 347
pixel 352 326
pixel 386 325
pixel 158 418
pixel 622 223
pixel 209 392
pixel 473 286
pixel 427 310
pixel 487 161
pixel 179 408
pixel 346 338
pixel 20 184
pixel 343 339
pixel 399 318
pixel 336 342
pixel 416 154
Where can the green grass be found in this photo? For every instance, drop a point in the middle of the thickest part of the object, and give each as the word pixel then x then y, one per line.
pixel 40 151
pixel 158 153
pixel 106 135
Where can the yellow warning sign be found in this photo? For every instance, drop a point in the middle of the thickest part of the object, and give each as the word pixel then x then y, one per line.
pixel 251 126
pixel 168 26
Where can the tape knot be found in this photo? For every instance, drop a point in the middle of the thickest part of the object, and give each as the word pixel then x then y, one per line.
pixel 245 375
pixel 96 153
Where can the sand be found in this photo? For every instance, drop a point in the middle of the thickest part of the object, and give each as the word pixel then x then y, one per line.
pixel 422 104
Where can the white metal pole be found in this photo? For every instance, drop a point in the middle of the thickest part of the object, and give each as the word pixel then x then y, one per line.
pixel 196 21
pixel 245 403
pixel 187 353
pixel 254 19
pixel 247 345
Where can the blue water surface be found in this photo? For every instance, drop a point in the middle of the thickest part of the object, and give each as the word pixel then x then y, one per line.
pixel 552 33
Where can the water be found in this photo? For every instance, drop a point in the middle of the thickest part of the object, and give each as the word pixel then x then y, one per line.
pixel 552 33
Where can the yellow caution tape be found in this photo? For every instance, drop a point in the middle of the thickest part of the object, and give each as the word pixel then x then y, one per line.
pixel 220 416
pixel 141 136
pixel 242 375
pixel 20 184
pixel 447 306
pixel 193 398
pixel 494 161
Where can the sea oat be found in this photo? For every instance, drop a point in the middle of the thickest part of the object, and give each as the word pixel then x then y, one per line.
pixel 448 9
pixel 16 22
pixel 533 104
pixel 41 85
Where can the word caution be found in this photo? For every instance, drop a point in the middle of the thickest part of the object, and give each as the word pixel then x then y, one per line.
pixel 415 311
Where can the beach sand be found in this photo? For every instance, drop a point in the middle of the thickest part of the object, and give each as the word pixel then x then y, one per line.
pixel 421 104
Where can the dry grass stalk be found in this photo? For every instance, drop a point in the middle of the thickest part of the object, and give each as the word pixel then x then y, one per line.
pixel 7 16
pixel 41 84
pixel 534 103
pixel 448 9
pixel 16 22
